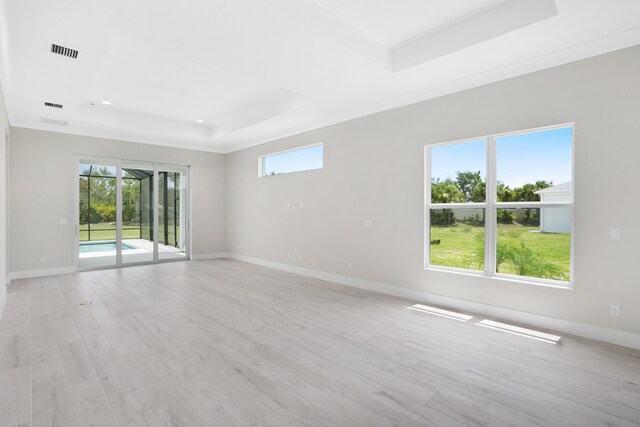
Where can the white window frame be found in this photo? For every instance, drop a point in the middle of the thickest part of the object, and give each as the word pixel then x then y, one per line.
pixel 262 158
pixel 491 206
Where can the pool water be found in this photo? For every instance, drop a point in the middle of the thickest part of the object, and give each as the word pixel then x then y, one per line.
pixel 86 247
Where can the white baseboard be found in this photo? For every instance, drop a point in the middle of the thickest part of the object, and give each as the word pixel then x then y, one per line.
pixel 43 272
pixel 3 299
pixel 201 257
pixel 612 336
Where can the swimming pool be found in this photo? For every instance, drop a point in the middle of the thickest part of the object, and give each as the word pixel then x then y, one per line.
pixel 86 247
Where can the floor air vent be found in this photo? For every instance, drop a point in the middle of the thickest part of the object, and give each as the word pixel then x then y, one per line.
pixel 52 105
pixel 55 122
pixel 64 51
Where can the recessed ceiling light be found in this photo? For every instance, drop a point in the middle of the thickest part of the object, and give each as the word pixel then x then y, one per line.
pixel 199 121
pixel 106 102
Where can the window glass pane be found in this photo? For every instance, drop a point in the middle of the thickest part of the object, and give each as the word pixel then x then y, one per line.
pixel 172 243
pixel 534 242
pixel 458 172
pixel 97 220
pixel 456 238
pixel 534 166
pixel 97 170
pixel 302 159
pixel 137 216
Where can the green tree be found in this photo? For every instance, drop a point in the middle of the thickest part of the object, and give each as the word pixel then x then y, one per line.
pixel 446 191
pixel 472 186
pixel 130 200
pixel 527 193
pixel 505 194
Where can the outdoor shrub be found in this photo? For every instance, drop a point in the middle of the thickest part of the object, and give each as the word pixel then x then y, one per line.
pixel 505 216
pixel 528 263
pixel 528 217
pixel 443 217
pixel 105 213
pixel 475 220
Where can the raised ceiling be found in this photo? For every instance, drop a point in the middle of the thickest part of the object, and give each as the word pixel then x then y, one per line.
pixel 220 75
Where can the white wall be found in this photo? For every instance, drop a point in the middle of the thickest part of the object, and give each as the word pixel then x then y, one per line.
pixel 4 130
pixel 374 171
pixel 42 180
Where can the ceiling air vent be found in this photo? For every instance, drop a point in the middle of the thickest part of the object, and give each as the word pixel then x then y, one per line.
pixel 64 51
pixel 52 105
pixel 55 122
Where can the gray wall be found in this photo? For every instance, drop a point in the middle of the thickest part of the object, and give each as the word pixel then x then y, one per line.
pixel 4 130
pixel 374 171
pixel 42 180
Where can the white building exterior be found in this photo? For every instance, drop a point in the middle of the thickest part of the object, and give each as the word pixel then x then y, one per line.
pixel 555 220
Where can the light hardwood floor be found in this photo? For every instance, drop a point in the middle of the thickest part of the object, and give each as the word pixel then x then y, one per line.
pixel 223 343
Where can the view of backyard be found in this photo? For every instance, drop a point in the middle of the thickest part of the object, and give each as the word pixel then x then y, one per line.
pixel 98 205
pixel 522 250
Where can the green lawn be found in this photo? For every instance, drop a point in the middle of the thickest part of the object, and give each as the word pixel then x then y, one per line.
pixel 107 231
pixel 460 244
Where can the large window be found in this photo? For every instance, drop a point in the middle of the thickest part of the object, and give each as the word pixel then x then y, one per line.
pixel 296 160
pixel 502 205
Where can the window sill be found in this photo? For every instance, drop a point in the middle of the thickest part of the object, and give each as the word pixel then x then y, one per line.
pixel 567 286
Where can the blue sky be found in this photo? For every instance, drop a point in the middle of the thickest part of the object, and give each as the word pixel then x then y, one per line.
pixel 520 159
pixel 292 161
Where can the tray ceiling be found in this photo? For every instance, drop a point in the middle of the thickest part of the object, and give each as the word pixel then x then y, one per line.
pixel 220 75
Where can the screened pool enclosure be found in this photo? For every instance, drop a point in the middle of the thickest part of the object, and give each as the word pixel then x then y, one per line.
pixel 123 220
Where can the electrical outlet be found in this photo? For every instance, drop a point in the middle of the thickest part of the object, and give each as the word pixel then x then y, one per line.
pixel 43 259
pixel 614 310
pixel 301 204
pixel 300 258
pixel 288 256
pixel 614 233
pixel 63 221
pixel 350 266
pixel 367 223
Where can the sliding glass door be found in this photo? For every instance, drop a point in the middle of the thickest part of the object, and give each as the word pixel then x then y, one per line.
pixel 123 220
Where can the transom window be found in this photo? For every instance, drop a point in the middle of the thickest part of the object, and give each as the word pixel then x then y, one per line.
pixel 298 159
pixel 502 205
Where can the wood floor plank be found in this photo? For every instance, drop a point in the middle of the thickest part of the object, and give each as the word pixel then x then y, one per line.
pixel 15 397
pixel 49 396
pixel 131 408
pixel 76 364
pixel 15 350
pixel 90 405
